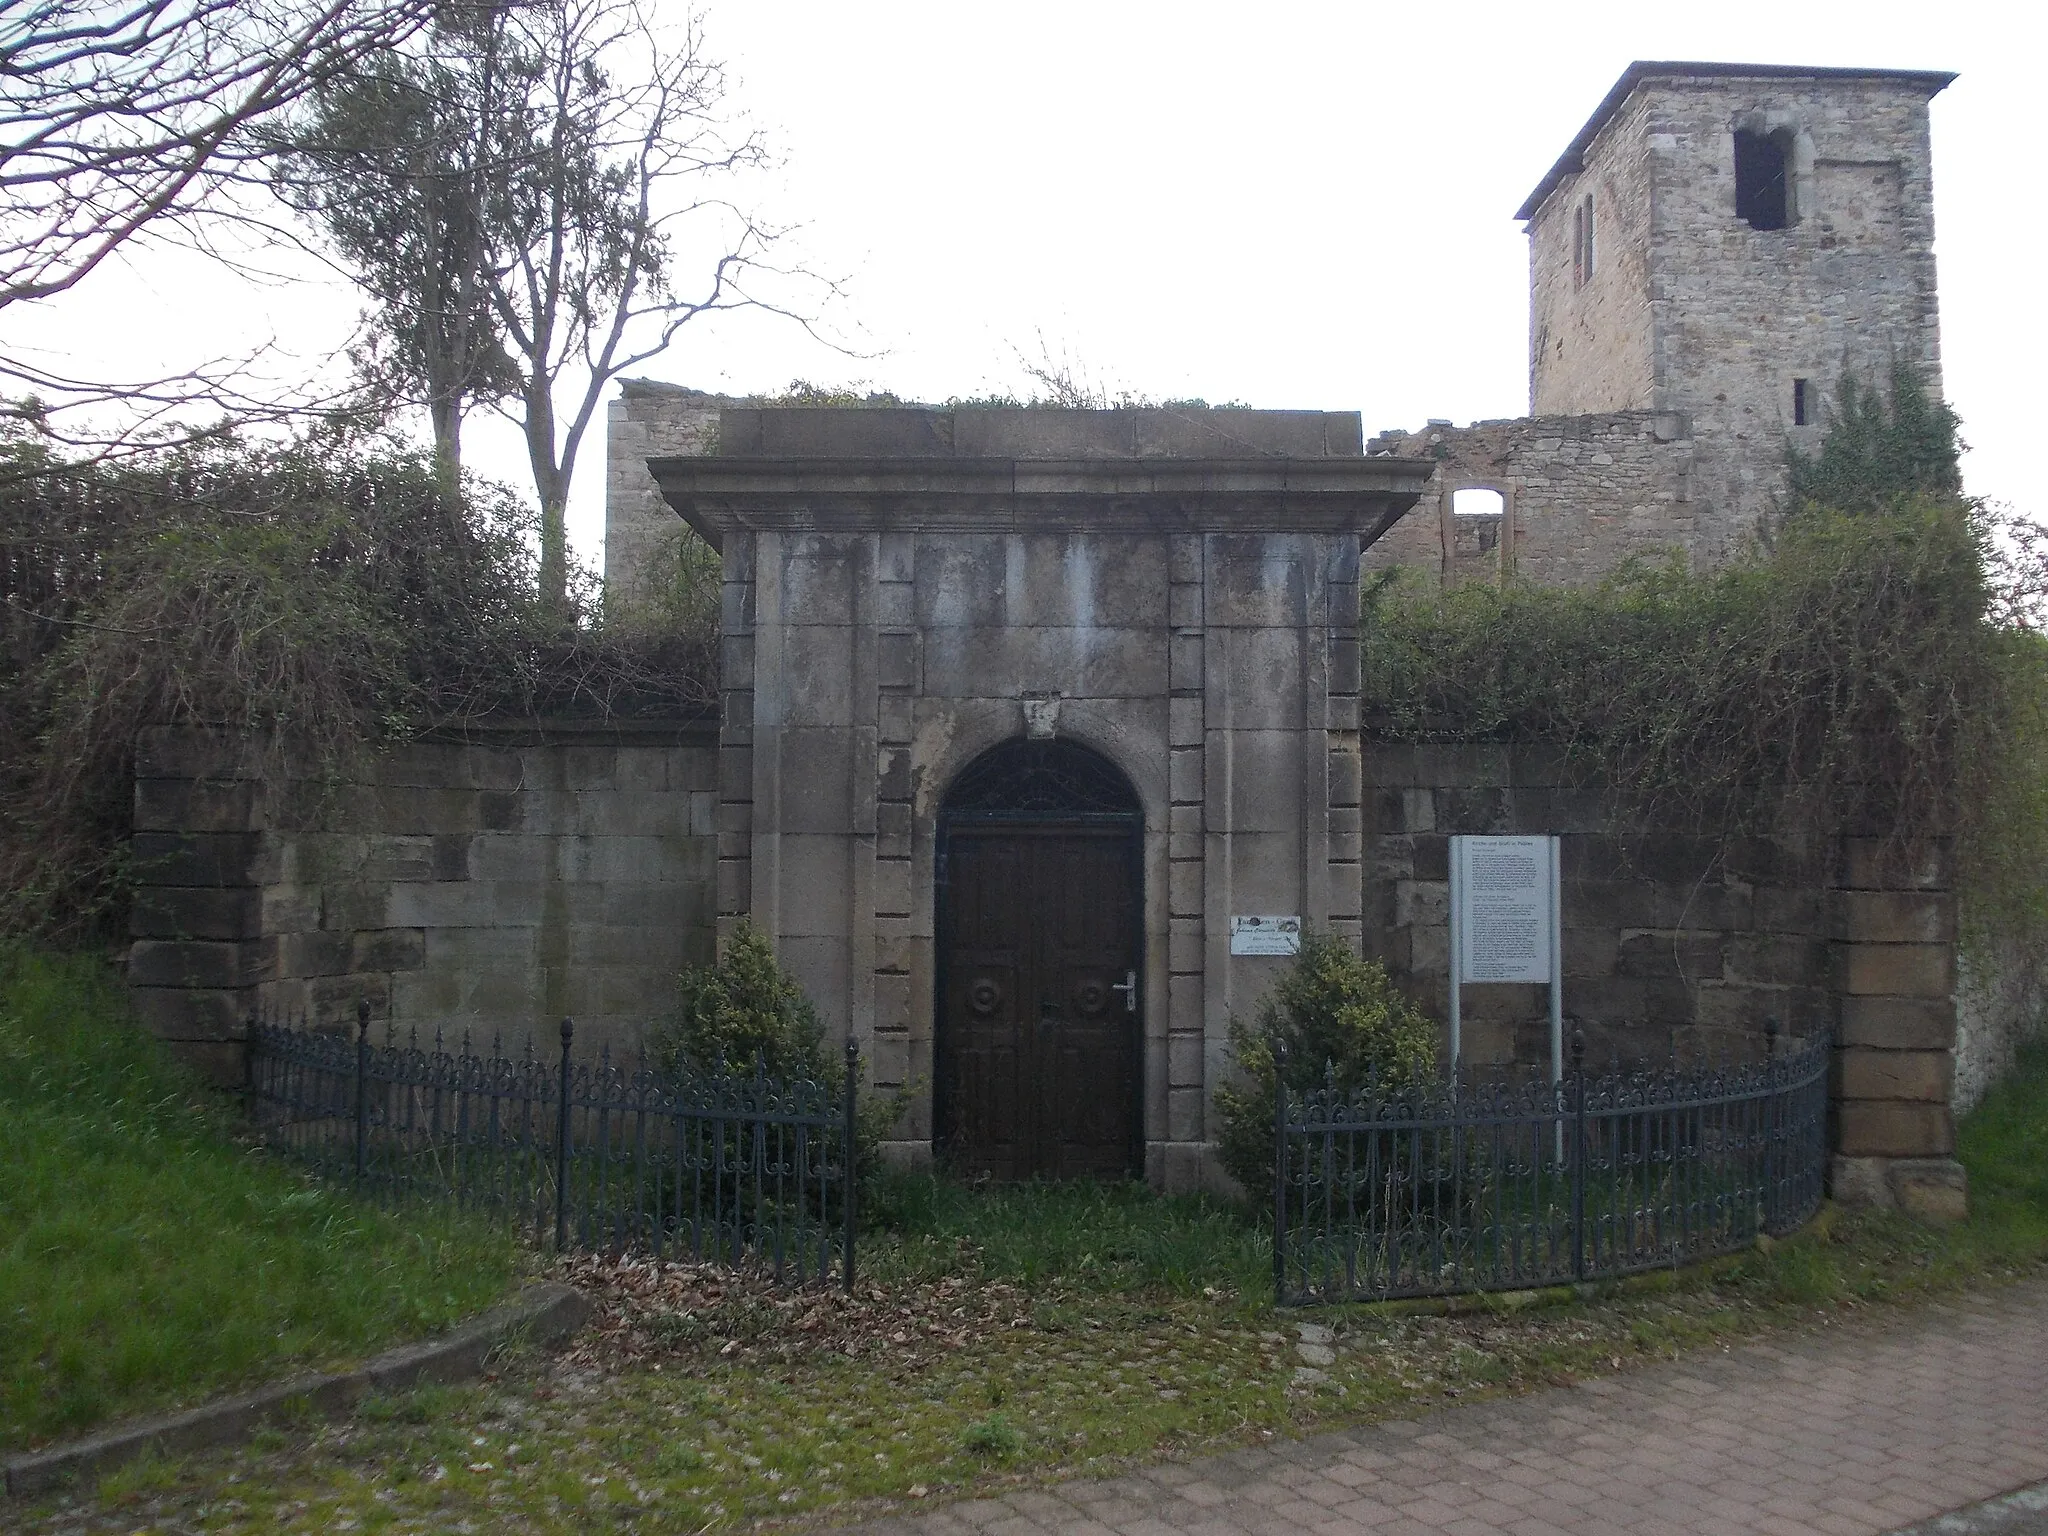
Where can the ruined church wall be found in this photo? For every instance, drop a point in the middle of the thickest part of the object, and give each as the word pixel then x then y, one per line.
pixel 1581 495
pixel 647 421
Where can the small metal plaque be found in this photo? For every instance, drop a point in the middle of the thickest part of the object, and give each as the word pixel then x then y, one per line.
pixel 1265 935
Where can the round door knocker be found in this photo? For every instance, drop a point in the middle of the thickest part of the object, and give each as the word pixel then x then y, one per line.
pixel 984 996
pixel 1091 996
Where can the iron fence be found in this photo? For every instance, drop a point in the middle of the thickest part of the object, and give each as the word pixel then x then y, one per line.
pixel 734 1167
pixel 1516 1182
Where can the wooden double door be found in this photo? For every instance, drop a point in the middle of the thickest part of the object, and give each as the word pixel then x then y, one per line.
pixel 1038 1032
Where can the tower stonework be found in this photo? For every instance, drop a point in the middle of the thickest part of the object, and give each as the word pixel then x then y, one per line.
pixel 1689 305
pixel 1715 248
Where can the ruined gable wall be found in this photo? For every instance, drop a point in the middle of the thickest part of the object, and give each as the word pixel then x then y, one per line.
pixel 647 421
pixel 1581 493
pixel 1590 345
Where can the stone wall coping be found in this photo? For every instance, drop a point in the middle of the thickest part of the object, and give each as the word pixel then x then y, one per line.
pixel 697 729
pixel 543 1314
pixel 1035 432
pixel 979 495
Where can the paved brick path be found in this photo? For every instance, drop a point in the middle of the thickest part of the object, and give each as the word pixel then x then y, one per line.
pixel 1851 1431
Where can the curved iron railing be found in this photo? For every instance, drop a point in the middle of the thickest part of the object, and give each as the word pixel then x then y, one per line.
pixel 1516 1182
pixel 739 1168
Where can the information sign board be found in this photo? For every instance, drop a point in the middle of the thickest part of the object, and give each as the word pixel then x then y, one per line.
pixel 1506 917
pixel 1504 925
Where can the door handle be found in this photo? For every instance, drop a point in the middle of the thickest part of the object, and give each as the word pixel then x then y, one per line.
pixel 1129 987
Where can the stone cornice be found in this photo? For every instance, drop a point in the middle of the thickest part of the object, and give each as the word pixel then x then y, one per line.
pixel 717 493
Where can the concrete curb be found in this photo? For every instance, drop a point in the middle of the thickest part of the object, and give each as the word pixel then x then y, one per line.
pixel 540 1314
pixel 2021 1513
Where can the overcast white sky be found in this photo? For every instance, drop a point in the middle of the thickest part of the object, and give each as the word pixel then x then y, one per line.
pixel 1296 205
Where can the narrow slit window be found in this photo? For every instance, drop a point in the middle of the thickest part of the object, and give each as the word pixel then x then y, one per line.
pixel 1802 403
pixel 1760 179
pixel 1582 242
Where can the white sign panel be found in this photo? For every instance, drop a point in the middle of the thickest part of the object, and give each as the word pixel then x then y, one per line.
pixel 1504 889
pixel 1265 935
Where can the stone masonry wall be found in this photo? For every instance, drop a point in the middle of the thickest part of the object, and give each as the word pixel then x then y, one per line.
pixel 1580 495
pixel 1665 947
pixel 492 887
pixel 1671 943
pixel 2001 1003
pixel 1740 312
pixel 647 420
pixel 1590 347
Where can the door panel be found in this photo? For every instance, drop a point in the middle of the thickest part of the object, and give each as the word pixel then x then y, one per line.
pixel 1038 1046
pixel 985 1006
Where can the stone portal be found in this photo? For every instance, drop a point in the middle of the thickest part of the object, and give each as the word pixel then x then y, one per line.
pixel 1171 592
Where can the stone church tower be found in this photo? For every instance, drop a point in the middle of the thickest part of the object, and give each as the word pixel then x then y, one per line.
pixel 1713 249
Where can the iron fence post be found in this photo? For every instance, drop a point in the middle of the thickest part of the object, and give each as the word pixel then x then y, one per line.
pixel 1279 1174
pixel 562 1142
pixel 1772 1114
pixel 362 1086
pixel 852 1139
pixel 1578 1154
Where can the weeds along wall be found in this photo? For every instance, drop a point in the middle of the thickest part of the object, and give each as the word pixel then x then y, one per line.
pixel 494 885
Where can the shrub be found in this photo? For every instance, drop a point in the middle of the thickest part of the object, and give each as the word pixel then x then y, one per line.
pixel 1339 1019
pixel 1882 447
pixel 744 1010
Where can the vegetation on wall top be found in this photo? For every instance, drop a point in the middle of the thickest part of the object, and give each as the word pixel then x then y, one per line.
pixel 1874 667
pixel 322 596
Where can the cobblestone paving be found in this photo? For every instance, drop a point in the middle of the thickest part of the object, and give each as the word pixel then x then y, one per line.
pixel 1854 1430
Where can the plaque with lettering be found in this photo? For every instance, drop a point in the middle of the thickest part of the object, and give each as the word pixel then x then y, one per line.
pixel 1504 921
pixel 1265 935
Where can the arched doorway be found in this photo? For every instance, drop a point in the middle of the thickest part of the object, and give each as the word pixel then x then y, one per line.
pixel 1040 924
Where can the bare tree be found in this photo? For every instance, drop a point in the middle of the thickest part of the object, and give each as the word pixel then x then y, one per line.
pixel 116 116
pixel 607 168
pixel 129 121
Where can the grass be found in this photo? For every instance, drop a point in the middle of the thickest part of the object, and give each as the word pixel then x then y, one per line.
pixel 147 1258
pixel 1144 1329
pixel 1115 1239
